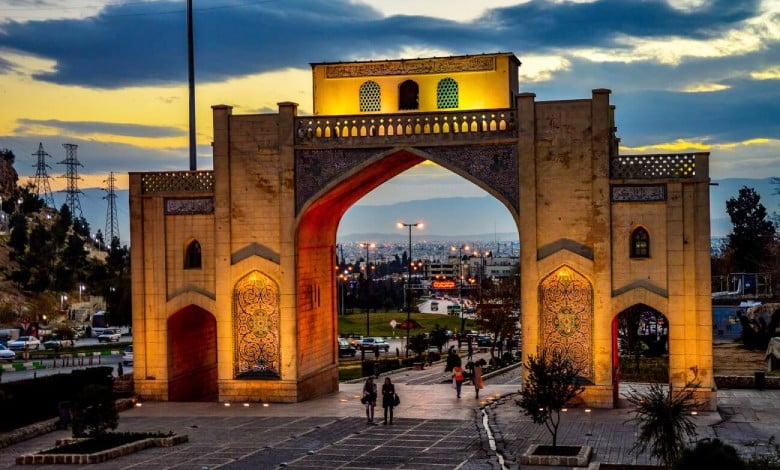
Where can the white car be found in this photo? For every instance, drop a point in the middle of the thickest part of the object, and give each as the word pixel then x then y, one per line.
pixel 127 356
pixel 24 342
pixel 109 335
pixel 6 354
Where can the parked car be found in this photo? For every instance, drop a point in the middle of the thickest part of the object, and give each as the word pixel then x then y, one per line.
pixel 56 343
pixel 109 335
pixel 354 340
pixel 127 356
pixel 484 340
pixel 370 344
pixel 24 342
pixel 345 349
pixel 6 354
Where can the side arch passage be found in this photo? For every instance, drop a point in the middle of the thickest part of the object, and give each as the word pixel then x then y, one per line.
pixel 192 346
pixel 566 322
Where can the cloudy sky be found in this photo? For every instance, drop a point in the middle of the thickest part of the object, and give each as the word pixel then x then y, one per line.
pixel 111 75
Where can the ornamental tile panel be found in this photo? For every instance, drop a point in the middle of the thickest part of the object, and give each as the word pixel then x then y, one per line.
pixel 495 165
pixel 566 322
pixel 256 323
pixel 654 193
pixel 315 169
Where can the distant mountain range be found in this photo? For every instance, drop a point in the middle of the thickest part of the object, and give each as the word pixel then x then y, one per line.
pixel 453 218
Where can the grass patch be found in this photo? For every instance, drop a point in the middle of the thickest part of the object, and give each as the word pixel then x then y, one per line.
pixel 350 372
pixel 379 323
pixel 651 369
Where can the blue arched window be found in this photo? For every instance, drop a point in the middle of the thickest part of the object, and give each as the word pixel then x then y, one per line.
pixel 370 97
pixel 447 94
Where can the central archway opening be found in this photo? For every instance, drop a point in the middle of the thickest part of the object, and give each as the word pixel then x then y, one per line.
pixel 382 278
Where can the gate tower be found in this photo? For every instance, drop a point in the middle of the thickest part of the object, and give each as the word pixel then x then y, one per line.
pixel 234 282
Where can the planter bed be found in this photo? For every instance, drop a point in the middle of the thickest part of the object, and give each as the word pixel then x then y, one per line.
pixel 570 456
pixel 73 450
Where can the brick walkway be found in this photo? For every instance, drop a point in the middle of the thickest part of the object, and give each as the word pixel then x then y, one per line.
pixel 433 430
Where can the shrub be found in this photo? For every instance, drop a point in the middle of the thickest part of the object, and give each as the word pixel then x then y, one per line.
pixel 94 412
pixel 664 421
pixel 712 455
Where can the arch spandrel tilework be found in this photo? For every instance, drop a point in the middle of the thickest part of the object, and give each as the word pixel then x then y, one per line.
pixel 256 323
pixel 566 322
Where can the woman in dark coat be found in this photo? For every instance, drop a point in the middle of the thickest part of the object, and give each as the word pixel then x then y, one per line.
pixel 369 399
pixel 388 398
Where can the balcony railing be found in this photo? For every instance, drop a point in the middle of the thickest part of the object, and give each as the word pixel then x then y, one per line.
pixel 654 166
pixel 405 128
pixel 177 181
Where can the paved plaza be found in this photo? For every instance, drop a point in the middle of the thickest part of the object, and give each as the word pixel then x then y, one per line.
pixel 432 429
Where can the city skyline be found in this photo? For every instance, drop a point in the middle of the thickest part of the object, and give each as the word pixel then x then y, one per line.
pixel 110 76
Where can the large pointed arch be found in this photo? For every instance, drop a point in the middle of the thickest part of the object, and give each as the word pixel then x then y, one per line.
pixel 318 221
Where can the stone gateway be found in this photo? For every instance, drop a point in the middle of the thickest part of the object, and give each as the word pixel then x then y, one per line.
pixel 234 285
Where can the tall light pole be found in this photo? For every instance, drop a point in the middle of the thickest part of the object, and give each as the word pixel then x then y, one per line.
pixel 460 249
pixel 368 245
pixel 401 225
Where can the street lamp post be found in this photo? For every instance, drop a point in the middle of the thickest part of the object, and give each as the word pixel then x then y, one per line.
pixel 460 249
pixel 368 245
pixel 401 225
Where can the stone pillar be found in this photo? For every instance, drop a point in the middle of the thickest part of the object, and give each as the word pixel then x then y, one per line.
pixel 222 243
pixel 526 150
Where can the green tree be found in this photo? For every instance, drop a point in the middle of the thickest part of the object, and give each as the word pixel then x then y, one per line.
pixel 94 412
pixel 418 344
pixel 496 312
pixel 553 380
pixel 40 257
pixel 665 422
pixel 438 337
pixel 752 234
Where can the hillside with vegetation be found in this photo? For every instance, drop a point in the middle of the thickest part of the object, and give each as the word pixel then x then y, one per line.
pixel 49 258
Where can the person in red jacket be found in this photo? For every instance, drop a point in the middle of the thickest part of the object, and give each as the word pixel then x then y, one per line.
pixel 457 378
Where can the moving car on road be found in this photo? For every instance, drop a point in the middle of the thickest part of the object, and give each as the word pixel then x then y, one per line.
pixel 371 344
pixel 57 342
pixel 109 335
pixel 24 342
pixel 127 356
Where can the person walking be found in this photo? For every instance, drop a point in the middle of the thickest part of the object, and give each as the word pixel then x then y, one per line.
pixel 477 377
pixel 470 349
pixel 369 399
pixel 388 398
pixel 457 378
pixel 453 359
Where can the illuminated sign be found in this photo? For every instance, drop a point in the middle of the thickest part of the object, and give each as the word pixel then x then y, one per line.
pixel 444 284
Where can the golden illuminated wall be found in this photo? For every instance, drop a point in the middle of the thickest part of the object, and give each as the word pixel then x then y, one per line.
pixel 265 292
pixel 486 81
